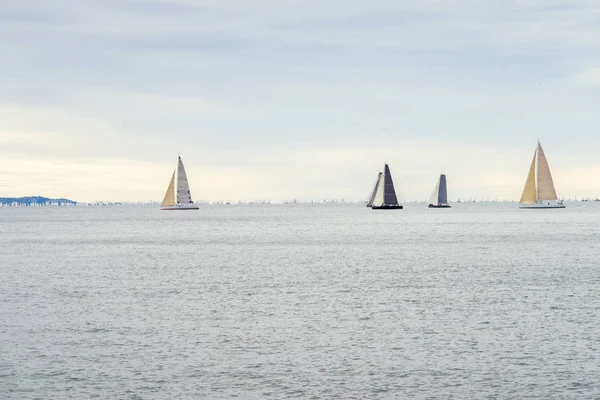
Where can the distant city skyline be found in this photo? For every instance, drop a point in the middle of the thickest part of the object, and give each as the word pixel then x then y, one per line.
pixel 280 100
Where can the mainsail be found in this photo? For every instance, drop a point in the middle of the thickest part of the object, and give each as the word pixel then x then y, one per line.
pixel 546 189
pixel 389 193
pixel 169 199
pixel 443 196
pixel 183 188
pixel 374 192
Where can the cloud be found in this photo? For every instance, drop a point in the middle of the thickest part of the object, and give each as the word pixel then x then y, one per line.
pixel 588 77
pixel 253 93
pixel 305 174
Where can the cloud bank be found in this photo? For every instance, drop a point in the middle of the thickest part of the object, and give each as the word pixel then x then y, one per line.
pixel 282 100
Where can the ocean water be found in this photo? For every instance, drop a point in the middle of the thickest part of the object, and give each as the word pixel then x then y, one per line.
pixel 481 301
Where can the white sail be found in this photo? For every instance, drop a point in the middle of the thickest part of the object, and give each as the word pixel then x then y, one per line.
pixel 183 188
pixel 434 198
pixel 374 191
pixel 379 194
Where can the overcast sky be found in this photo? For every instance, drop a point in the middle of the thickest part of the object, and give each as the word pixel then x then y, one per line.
pixel 283 99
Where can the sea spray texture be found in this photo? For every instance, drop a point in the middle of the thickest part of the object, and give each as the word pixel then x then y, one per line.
pixel 307 301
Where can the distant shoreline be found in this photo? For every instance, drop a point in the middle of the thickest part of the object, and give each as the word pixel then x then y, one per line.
pixel 41 201
pixel 34 201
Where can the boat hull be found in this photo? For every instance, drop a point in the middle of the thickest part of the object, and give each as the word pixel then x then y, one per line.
pixel 439 206
pixel 387 207
pixel 542 205
pixel 180 208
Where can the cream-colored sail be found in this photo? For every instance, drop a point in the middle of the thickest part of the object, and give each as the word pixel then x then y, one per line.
pixel 546 189
pixel 169 199
pixel 529 195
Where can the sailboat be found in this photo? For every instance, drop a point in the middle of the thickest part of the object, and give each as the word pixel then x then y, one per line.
pixel 178 195
pixel 539 191
pixel 439 197
pixel 383 196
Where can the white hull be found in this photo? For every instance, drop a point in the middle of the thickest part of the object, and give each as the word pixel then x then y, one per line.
pixel 181 207
pixel 543 204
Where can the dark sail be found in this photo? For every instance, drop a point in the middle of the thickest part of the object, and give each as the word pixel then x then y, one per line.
pixel 389 193
pixel 443 193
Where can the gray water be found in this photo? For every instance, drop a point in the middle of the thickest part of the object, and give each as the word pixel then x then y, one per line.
pixel 300 301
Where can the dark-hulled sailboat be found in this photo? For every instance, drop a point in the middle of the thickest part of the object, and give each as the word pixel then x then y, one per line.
pixel 439 197
pixel 383 196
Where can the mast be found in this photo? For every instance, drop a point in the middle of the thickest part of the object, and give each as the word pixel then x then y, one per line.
pixel 537 172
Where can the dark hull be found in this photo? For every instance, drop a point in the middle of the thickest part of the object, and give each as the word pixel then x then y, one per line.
pixel 540 208
pixel 387 207
pixel 439 206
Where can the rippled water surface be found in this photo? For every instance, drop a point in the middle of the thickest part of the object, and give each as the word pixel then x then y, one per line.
pixel 300 301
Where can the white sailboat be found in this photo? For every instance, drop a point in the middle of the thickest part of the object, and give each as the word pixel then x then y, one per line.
pixel 439 197
pixel 539 191
pixel 178 195
pixel 384 194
